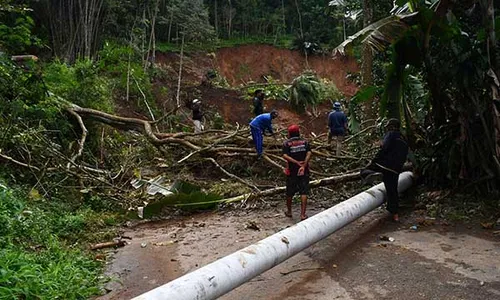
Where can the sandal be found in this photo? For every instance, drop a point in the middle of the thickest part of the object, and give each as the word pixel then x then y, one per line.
pixel 303 217
pixel 288 215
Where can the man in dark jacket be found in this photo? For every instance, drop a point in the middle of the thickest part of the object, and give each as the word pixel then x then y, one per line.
pixel 297 153
pixel 388 162
pixel 337 125
pixel 258 102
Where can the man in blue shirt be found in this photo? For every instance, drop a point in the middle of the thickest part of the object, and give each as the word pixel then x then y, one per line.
pixel 337 124
pixel 258 126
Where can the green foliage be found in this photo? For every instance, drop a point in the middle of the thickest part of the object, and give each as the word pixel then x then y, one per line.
pixel 305 91
pixel 16 30
pixel 329 91
pixel 363 95
pixel 80 83
pixel 122 66
pixel 186 196
pixel 217 121
pixel 36 261
pixel 20 85
pixel 308 90
pixel 273 89
pixel 285 41
pixel 448 53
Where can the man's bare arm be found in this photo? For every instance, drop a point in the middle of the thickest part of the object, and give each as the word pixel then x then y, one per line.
pixel 290 159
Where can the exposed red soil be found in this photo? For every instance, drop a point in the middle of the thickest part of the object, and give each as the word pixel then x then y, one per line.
pixel 251 62
pixel 236 108
pixel 243 64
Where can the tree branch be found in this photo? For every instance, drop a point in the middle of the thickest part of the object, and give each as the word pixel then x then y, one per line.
pixel 18 162
pixel 232 175
pixel 81 143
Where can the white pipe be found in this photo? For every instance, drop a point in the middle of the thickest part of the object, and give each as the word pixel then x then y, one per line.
pixel 227 273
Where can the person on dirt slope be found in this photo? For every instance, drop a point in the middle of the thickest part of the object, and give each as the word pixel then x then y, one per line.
pixel 337 124
pixel 197 116
pixel 258 102
pixel 388 164
pixel 258 126
pixel 297 153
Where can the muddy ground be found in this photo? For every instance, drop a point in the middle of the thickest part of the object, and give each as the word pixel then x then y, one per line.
pixel 438 260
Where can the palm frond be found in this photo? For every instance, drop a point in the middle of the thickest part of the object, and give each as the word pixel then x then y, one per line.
pixel 305 91
pixel 336 3
pixel 379 34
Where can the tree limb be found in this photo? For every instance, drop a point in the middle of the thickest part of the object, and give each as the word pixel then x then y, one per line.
pixel 232 175
pixel 81 143
pixel 18 162
pixel 212 145
pixel 278 190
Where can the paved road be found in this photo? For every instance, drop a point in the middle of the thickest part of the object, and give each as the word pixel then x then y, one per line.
pixel 434 262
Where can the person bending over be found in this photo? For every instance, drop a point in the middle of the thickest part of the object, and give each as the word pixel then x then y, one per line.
pixel 258 126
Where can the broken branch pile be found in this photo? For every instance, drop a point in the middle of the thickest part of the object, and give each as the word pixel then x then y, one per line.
pixel 210 146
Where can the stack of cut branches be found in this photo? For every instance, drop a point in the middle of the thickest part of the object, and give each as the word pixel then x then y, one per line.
pixel 211 146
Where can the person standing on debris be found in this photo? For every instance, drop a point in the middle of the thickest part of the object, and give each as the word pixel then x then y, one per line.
pixel 297 153
pixel 337 124
pixel 258 126
pixel 258 102
pixel 197 116
pixel 388 163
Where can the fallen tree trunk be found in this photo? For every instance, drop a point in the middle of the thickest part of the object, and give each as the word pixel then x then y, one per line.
pixel 278 190
pixel 351 176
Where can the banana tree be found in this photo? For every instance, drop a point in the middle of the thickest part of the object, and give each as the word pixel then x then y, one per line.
pixel 446 43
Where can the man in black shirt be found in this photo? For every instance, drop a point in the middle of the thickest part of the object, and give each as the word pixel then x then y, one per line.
pixel 388 162
pixel 258 105
pixel 197 116
pixel 297 153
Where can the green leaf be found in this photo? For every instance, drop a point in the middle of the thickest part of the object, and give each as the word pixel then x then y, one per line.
pixel 364 94
pixel 381 33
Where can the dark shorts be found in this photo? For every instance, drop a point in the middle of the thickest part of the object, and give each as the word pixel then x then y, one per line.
pixel 297 184
pixel 333 133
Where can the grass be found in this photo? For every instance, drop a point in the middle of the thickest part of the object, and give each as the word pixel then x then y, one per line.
pixel 282 42
pixel 42 254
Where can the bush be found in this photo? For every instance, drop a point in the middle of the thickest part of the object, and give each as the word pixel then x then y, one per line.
pixel 123 65
pixel 36 261
pixel 80 84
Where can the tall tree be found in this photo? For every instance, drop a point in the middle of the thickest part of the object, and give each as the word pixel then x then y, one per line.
pixel 367 61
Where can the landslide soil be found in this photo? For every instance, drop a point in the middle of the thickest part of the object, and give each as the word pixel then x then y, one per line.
pixel 239 66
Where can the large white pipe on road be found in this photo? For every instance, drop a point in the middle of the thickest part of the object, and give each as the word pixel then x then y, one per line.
pixel 227 273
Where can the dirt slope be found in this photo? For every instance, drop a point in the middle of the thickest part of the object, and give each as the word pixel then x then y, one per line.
pixel 251 62
pixel 242 64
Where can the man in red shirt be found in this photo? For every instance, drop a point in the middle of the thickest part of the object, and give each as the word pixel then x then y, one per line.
pixel 297 153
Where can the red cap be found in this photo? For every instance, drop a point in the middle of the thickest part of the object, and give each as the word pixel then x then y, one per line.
pixel 293 129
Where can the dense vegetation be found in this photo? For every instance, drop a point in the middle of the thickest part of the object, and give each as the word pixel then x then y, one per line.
pixel 432 64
